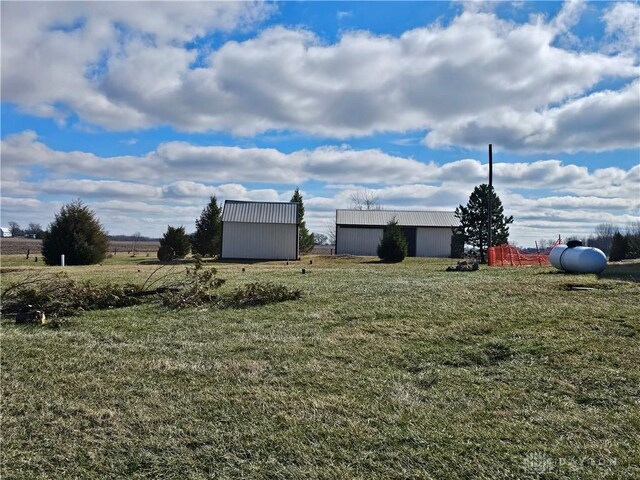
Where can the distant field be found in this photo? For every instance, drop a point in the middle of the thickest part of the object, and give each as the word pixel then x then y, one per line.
pixel 380 371
pixel 19 246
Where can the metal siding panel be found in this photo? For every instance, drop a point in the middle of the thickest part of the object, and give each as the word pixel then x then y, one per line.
pixel 358 241
pixel 260 212
pixel 433 242
pixel 404 218
pixel 264 241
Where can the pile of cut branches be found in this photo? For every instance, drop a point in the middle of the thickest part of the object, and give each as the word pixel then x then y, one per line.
pixel 60 296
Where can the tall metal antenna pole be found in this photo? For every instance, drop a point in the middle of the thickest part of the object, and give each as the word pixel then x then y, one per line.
pixel 490 195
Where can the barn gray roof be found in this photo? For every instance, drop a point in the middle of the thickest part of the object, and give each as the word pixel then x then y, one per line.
pixel 260 212
pixel 405 219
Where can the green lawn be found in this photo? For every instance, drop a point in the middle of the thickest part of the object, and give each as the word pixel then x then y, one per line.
pixel 379 371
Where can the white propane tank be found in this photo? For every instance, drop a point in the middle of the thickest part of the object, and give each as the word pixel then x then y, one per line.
pixel 574 258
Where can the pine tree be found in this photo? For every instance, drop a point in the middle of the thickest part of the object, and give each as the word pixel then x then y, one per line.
pixel 473 219
pixel 177 239
pixel 207 238
pixel 457 243
pixel 393 245
pixel 305 238
pixel 619 247
pixel 77 234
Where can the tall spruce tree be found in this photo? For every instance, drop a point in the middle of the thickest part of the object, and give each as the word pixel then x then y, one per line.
pixel 77 234
pixel 206 240
pixel 305 238
pixel 473 220
pixel 177 239
pixel 393 244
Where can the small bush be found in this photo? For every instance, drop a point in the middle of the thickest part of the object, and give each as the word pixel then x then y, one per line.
pixel 178 240
pixel 77 234
pixel 393 245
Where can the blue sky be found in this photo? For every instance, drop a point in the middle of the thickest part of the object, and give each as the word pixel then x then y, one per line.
pixel 144 110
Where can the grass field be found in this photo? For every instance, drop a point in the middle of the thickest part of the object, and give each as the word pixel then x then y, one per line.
pixel 20 246
pixel 379 371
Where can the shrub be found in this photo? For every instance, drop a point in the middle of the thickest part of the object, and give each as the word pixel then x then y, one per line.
pixel 77 234
pixel 178 240
pixel 393 245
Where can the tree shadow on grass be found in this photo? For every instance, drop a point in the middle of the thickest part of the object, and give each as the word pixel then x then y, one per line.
pixel 627 270
pixel 177 261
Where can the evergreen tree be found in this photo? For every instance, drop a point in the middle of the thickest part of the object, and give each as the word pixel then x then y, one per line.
pixel 473 219
pixel 177 239
pixel 393 245
pixel 634 246
pixel 305 238
pixel 619 247
pixel 77 234
pixel 207 238
pixel 457 243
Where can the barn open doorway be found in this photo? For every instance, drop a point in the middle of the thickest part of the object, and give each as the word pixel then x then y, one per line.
pixel 410 234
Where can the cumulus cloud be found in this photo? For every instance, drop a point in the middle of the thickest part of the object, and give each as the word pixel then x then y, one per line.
pixel 622 27
pixel 56 52
pixel 604 120
pixel 182 162
pixel 479 77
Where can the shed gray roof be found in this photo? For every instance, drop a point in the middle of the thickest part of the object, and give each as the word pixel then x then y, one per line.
pixel 260 212
pixel 404 218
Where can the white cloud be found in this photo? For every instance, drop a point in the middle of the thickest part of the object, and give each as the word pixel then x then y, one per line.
pixel 568 16
pixel 53 52
pixel 475 80
pixel 622 27
pixel 131 193
pixel 601 121
pixel 183 162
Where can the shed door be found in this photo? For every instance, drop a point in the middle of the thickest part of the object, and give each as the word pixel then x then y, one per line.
pixel 410 234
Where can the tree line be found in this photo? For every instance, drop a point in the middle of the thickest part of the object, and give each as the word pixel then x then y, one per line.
pixel 33 230
pixel 616 243
pixel 77 233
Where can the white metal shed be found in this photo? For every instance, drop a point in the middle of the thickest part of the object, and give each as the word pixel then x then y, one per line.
pixel 428 233
pixel 260 230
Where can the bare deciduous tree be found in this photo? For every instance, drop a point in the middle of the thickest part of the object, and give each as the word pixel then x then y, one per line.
pixel 330 231
pixel 15 229
pixel 136 238
pixel 604 233
pixel 365 199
